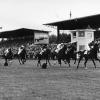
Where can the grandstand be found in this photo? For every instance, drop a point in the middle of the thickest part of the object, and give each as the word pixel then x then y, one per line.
pixel 24 36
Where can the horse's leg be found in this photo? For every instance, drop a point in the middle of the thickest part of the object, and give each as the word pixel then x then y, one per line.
pixel 75 60
pixel 79 61
pixel 68 61
pixel 22 61
pixel 19 59
pixel 49 62
pixel 6 62
pixel 93 62
pixel 39 62
pixel 59 61
pixel 25 59
pixel 86 59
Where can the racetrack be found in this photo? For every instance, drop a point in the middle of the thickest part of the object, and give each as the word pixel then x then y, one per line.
pixel 29 82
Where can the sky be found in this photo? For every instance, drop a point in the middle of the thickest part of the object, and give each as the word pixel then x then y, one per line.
pixel 34 13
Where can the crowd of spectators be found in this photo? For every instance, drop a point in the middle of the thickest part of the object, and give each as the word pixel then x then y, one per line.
pixel 30 47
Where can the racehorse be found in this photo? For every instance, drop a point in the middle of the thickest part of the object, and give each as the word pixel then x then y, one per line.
pixel 66 54
pixel 71 52
pixel 22 55
pixel 53 55
pixel 91 54
pixel 8 55
pixel 44 55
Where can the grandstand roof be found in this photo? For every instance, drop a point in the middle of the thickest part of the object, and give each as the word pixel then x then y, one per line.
pixel 20 33
pixel 92 21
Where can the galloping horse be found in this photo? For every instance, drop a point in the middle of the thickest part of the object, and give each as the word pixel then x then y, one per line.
pixel 53 55
pixel 8 55
pixel 22 55
pixel 44 54
pixel 66 54
pixel 71 52
pixel 91 54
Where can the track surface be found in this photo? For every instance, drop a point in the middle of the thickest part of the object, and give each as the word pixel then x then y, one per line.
pixel 29 82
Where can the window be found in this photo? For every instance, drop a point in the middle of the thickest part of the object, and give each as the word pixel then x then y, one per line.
pixel 81 47
pixel 74 34
pixel 89 34
pixel 81 34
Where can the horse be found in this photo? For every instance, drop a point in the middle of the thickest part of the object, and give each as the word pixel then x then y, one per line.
pixel 91 54
pixel 21 55
pixel 53 55
pixel 66 54
pixel 8 55
pixel 44 55
pixel 71 52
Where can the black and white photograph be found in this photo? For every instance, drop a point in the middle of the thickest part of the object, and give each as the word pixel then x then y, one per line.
pixel 49 50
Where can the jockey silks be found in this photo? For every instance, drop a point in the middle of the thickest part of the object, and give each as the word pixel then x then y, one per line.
pixel 20 50
pixel 59 47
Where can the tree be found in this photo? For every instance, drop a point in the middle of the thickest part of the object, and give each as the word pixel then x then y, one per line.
pixel 65 38
pixel 52 39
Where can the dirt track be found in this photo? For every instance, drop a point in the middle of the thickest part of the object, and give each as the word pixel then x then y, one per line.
pixel 29 82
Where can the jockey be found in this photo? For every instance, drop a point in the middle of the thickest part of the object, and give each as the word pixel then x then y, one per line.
pixel 6 51
pixel 43 49
pixel 89 47
pixel 59 47
pixel 20 49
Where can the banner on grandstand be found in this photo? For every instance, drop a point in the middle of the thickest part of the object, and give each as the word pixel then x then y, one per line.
pixel 41 38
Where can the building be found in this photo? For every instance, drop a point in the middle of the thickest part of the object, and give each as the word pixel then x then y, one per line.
pixel 83 30
pixel 24 34
pixel 82 38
